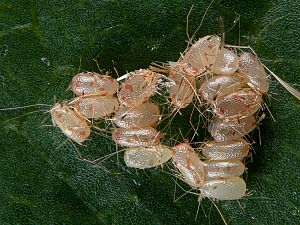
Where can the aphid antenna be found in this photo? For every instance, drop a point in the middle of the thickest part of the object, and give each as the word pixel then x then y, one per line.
pixel 190 39
pixel 103 158
pixel 236 20
pixel 25 107
pixel 240 48
pixel 269 24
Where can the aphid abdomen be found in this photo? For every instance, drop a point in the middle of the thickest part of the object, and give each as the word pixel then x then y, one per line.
pixel 254 72
pixel 227 130
pixel 231 188
pixel 136 137
pixel 95 106
pixel 187 161
pixel 201 55
pixel 226 62
pixel 143 115
pixel 218 86
pixel 89 83
pixel 182 93
pixel 239 104
pixel 228 150
pixel 72 125
pixel 147 157
pixel 138 87
pixel 223 169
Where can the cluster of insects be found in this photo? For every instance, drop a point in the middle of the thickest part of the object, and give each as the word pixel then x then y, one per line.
pixel 230 83
pixel 223 79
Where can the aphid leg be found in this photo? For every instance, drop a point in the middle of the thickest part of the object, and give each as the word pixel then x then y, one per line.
pixel 195 133
pixel 219 211
pixel 185 191
pixel 76 149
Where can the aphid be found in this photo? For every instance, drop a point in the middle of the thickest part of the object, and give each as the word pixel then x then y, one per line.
pixel 239 104
pixel 138 87
pixel 136 137
pixel 95 106
pixel 211 178
pixel 231 129
pixel 182 92
pixel 89 83
pixel 71 124
pixel 143 115
pixel 147 157
pixel 237 149
pixel 189 164
pixel 226 62
pixel 231 188
pixel 254 73
pixel 220 169
pixel 219 86
pixel 202 54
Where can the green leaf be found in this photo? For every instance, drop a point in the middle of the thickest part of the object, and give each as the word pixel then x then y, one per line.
pixel 42 45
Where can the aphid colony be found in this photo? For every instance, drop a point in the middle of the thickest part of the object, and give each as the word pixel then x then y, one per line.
pixel 231 85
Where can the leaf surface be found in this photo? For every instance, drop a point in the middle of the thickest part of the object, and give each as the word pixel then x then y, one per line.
pixel 42 45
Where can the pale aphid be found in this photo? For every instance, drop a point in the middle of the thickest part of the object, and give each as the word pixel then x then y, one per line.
pixel 254 73
pixel 135 137
pixel 231 188
pixel 187 161
pixel 143 115
pixel 89 83
pixel 147 157
pixel 71 124
pixel 218 86
pixel 227 130
pixel 182 93
pixel 244 102
pixel 226 62
pixel 219 169
pixel 95 106
pixel 138 87
pixel 202 54
pixel 237 149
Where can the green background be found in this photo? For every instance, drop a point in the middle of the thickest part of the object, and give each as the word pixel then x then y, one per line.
pixel 42 181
